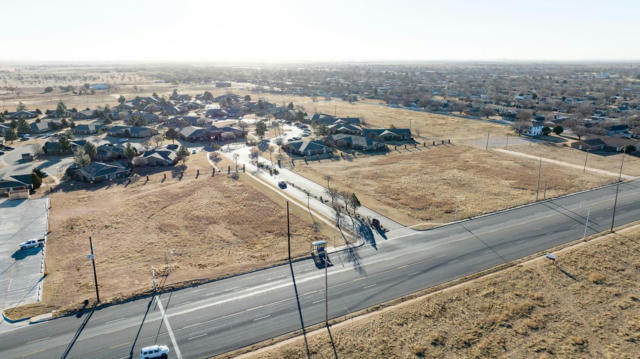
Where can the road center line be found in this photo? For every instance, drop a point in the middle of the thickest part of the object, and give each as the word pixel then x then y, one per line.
pixel 166 323
pixel 197 336
pixel 265 317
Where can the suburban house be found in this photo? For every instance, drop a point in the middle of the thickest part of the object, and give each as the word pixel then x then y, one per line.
pixel 21 114
pixel 534 129
pixel 39 127
pixel 387 135
pixel 54 114
pixel 89 129
pixel 617 130
pixel 306 148
pixel 13 183
pixel 85 115
pixel 593 144
pixel 131 131
pixel 199 134
pixel 159 157
pixel 346 128
pixel 99 171
pixel 355 142
pixel 618 144
pixel 110 152
pixel 194 134
pixel 324 119
pixel 4 128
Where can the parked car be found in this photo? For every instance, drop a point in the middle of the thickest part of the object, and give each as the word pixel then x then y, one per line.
pixel 154 351
pixel 193 152
pixel 282 184
pixel 32 243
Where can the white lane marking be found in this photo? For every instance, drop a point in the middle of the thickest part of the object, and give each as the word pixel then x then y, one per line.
pixel 317 301
pixel 166 323
pixel 265 317
pixel 113 320
pixel 197 336
pixel 369 286
pixel 412 274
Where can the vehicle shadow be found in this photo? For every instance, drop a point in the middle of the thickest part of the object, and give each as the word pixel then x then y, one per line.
pixel 24 253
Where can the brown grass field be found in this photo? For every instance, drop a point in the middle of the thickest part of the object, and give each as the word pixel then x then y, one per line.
pixel 214 226
pixel 533 310
pixel 421 185
pixel 608 162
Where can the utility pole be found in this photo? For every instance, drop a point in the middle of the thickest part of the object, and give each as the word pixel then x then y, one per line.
pixel 584 169
pixel 539 171
pixel 487 145
pixel 586 224
pixel 288 234
pixel 615 202
pixel 153 277
pixel 93 263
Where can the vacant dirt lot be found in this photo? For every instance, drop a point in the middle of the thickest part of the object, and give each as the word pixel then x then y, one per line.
pixel 604 161
pixel 421 185
pixel 204 228
pixel 586 307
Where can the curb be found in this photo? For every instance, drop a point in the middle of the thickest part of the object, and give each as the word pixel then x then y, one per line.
pixel 41 318
pixel 13 321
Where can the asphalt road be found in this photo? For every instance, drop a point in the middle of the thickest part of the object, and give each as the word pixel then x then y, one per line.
pixel 232 313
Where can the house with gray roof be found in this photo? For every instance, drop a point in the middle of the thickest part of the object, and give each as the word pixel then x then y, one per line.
pixel 39 127
pixel 89 129
pixel 15 182
pixel 158 157
pixel 388 134
pixel 99 172
pixel 355 142
pixel 307 148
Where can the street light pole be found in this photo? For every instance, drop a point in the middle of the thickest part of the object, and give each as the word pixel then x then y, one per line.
pixel 539 171
pixel 95 276
pixel 615 202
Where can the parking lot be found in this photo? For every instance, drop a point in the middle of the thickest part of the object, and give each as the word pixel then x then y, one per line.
pixel 21 271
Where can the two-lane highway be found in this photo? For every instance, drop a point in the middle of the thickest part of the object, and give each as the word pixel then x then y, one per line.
pixel 235 312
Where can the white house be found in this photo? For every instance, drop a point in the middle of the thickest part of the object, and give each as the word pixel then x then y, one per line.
pixel 535 129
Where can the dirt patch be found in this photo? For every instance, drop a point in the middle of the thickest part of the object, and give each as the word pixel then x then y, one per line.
pixel 422 185
pixel 535 310
pixel 197 228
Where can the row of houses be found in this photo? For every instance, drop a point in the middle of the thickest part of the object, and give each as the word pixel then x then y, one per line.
pixel 606 143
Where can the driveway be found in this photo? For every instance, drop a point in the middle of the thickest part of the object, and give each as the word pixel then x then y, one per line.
pixel 21 272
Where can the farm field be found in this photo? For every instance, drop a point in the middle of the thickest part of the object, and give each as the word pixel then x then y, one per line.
pixel 200 228
pixel 587 306
pixel 421 186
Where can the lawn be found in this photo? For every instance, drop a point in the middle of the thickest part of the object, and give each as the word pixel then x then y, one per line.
pixel 203 228
pixel 586 307
pixel 423 185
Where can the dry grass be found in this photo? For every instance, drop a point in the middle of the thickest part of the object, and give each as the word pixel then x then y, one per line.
pixel 421 185
pixel 215 227
pixel 610 162
pixel 529 311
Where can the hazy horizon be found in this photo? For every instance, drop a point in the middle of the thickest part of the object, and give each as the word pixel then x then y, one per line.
pixel 286 31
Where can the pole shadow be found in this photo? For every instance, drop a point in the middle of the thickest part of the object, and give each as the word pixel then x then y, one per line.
pixel 304 331
pixel 135 339
pixel 77 334
pixel 333 344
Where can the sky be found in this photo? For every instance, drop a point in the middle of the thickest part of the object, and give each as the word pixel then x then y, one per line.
pixel 318 31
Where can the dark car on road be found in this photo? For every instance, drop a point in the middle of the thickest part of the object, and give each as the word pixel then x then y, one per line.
pixel 282 184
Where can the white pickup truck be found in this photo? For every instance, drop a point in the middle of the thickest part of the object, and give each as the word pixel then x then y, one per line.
pixel 32 243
